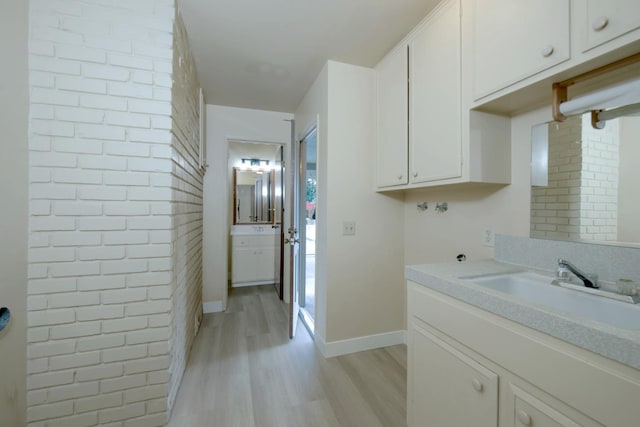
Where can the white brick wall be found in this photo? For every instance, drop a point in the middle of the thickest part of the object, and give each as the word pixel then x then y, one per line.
pixel 115 212
pixel 553 208
pixel 580 201
pixel 187 210
pixel 599 186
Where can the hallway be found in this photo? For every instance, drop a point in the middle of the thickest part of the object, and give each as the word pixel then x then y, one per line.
pixel 244 371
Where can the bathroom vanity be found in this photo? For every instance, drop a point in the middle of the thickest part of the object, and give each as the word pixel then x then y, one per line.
pixel 483 355
pixel 253 255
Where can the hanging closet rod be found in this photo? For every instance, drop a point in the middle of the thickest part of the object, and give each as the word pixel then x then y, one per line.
pixel 560 94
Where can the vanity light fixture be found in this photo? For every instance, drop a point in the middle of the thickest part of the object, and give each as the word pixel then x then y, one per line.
pixel 605 104
pixel 258 165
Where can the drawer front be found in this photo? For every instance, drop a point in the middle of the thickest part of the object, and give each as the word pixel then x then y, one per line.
pixel 255 241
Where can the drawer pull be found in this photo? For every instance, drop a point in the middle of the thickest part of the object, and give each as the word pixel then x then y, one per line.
pixel 524 418
pixel 547 51
pixel 477 385
pixel 600 23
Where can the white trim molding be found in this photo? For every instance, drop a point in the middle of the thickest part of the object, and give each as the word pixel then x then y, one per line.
pixel 354 345
pixel 212 307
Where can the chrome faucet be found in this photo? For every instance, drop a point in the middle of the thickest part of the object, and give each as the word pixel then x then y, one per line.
pixel 589 280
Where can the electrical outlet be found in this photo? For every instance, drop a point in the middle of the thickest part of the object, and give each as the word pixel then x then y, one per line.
pixel 488 237
pixel 349 228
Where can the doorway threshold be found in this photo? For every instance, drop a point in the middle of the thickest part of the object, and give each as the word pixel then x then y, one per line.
pixel 307 321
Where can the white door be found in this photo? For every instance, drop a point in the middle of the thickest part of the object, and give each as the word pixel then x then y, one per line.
pixel 293 238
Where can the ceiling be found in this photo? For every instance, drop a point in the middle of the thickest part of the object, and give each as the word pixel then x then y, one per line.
pixel 265 54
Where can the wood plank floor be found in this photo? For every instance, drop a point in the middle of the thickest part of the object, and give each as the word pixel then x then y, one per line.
pixel 245 371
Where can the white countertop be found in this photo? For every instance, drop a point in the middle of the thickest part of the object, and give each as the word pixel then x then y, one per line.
pixel 619 344
pixel 254 230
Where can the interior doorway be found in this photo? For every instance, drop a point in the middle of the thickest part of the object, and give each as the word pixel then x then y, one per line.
pixel 308 217
pixel 255 234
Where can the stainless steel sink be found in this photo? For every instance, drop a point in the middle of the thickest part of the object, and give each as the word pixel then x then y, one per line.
pixel 538 289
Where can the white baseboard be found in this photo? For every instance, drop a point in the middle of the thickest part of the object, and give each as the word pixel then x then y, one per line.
pixel 261 282
pixel 354 345
pixel 212 307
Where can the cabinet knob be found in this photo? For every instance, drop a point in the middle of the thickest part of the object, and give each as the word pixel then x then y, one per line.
pixel 600 23
pixel 524 418
pixel 477 385
pixel 547 51
pixel 415 174
pixel 399 177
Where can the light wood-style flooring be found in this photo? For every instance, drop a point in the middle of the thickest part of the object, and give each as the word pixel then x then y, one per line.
pixel 245 371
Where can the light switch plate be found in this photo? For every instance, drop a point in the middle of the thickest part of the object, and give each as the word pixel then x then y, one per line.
pixel 488 236
pixel 349 228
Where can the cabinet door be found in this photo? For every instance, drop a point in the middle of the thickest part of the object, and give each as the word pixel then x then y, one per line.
pixel 446 387
pixel 609 19
pixel 514 40
pixel 265 265
pixel 245 263
pixel 434 112
pixel 392 119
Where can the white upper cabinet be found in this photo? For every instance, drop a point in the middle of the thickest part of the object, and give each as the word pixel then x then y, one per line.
pixel 392 113
pixel 425 136
pixel 607 20
pixel 434 112
pixel 514 40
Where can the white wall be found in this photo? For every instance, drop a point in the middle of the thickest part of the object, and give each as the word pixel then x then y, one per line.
pixel 313 111
pixel 224 124
pixel 359 279
pixel 14 213
pixel 437 237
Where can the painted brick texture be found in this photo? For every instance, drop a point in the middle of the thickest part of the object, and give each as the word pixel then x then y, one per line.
pixel 580 201
pixel 187 182
pixel 115 211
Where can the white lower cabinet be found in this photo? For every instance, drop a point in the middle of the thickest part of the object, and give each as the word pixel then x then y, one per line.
pixel 468 367
pixel 253 260
pixel 452 389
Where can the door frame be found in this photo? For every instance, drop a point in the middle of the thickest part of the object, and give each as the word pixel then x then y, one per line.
pixel 228 214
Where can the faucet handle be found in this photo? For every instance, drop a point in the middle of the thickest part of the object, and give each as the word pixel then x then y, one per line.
pixel 562 273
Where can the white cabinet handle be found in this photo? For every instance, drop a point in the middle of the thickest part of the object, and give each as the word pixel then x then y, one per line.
pixel 524 418
pixel 547 51
pixel 600 23
pixel 415 174
pixel 399 177
pixel 477 385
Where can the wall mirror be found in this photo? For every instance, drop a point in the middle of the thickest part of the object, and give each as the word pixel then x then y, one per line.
pixel 253 196
pixel 585 181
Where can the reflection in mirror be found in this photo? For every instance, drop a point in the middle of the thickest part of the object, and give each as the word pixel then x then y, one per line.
pixel 585 180
pixel 253 196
